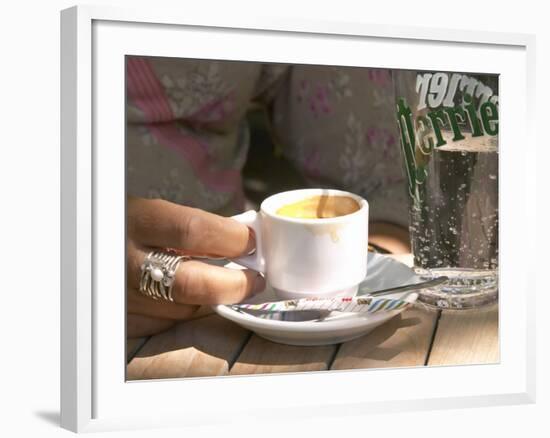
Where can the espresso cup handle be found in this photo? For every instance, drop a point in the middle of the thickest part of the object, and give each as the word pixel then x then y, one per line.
pixel 255 261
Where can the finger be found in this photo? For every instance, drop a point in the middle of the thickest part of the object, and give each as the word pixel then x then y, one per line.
pixel 199 283
pixel 140 325
pixel 162 224
pixel 194 283
pixel 140 304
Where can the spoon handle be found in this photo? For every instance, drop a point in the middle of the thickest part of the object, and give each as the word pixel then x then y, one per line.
pixel 423 285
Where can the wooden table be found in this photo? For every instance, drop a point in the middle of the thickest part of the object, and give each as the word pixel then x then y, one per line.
pixel 209 345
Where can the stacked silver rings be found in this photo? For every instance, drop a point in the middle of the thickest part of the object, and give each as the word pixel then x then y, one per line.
pixel 158 272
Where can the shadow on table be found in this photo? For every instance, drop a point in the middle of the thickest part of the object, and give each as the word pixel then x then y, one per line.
pixel 208 334
pixel 205 346
pixel 213 346
pixel 262 356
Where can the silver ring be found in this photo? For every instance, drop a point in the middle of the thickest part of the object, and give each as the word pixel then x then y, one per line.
pixel 158 272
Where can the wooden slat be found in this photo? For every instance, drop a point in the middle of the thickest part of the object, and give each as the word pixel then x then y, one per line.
pixel 262 357
pixel 199 347
pixel 404 341
pixel 469 337
pixel 133 345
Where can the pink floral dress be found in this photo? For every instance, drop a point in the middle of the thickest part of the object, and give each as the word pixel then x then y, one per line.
pixel 187 134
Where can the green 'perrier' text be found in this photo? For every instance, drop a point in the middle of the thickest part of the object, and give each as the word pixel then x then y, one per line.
pixel 425 132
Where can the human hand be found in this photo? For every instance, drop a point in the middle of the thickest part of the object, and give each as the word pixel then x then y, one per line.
pixel 158 224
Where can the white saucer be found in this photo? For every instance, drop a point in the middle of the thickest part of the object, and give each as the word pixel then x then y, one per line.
pixel 383 272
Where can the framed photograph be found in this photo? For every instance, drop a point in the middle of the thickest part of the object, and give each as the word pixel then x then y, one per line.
pixel 256 207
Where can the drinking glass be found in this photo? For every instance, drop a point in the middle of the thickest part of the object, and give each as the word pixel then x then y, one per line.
pixel 448 125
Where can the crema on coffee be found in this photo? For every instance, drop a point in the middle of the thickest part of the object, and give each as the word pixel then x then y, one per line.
pixel 320 207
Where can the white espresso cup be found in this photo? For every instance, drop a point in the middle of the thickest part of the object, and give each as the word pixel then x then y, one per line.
pixel 302 258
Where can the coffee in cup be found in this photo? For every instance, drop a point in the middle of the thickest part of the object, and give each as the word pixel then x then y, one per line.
pixel 319 207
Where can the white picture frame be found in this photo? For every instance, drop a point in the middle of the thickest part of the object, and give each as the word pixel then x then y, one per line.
pixel 94 395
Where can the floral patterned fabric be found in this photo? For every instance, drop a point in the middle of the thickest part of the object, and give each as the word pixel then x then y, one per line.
pixel 187 135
